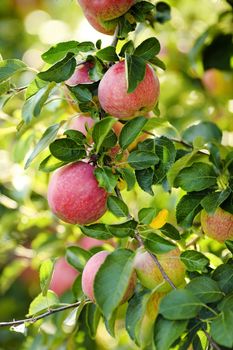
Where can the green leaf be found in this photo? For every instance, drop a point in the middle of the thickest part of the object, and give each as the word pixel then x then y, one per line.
pixel 213 200
pixel 117 206
pixel 109 141
pixel 86 46
pixel 34 86
pixel 4 87
pixel 146 215
pixel 128 47
pixel 226 303
pixel 207 130
pixel 106 178
pixel 140 160
pixel 123 230
pixel 158 63
pixel 223 275
pixel 76 136
pixel 129 177
pixel 157 244
pixel 194 261
pixel 148 49
pixel 46 271
pixel 140 10
pixel 135 313
pixel 47 137
pixel 163 12
pixel 42 303
pixel 180 164
pixel 187 208
pixel 71 320
pixel 61 70
pixel 131 130
pixel 221 329
pixel 166 152
pixel 77 257
pixel 98 231
pixel 108 54
pixel 170 231
pixel 166 332
pixel 9 67
pixel 145 179
pixel 180 304
pixel 81 93
pixel 50 164
pixel 67 150
pixel 59 51
pixel 101 130
pixel 112 280
pixel 135 71
pixel 205 289
pixel 77 288
pixel 229 245
pixel 92 318
pixel 197 177
pixel 110 323
pixel 32 107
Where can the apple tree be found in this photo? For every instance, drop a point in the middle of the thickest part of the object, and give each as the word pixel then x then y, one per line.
pixel 136 224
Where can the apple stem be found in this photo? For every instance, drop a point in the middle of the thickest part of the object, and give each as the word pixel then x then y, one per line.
pixel 50 311
pixel 154 257
pixel 211 341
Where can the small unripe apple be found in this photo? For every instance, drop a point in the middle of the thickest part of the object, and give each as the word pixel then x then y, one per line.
pixel 90 270
pixel 219 225
pixel 149 274
pixel 115 99
pixel 63 277
pixel 74 194
pixel 81 122
pixel 80 75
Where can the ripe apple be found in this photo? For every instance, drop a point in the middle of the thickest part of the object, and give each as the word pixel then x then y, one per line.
pixel 63 277
pixel 115 99
pixel 90 270
pixel 81 122
pixel 149 274
pixel 80 75
pixel 74 194
pixel 219 225
pixel 102 13
pixel 218 83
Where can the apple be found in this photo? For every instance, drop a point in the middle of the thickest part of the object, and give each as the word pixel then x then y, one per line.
pixel 149 274
pixel 81 123
pixel 80 75
pixel 219 225
pixel 102 13
pixel 115 99
pixel 74 194
pixel 218 83
pixel 63 277
pixel 90 270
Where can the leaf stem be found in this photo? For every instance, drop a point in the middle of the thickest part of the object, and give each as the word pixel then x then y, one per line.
pixel 34 319
pixel 211 341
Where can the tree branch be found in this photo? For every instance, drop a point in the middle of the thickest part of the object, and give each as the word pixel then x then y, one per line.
pixel 154 257
pixel 211 341
pixel 39 317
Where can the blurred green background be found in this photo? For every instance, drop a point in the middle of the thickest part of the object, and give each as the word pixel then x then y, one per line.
pixel 29 233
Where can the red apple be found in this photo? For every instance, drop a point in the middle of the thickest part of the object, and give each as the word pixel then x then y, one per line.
pixel 90 270
pixel 81 122
pixel 81 75
pixel 218 83
pixel 219 225
pixel 105 27
pixel 63 277
pixel 74 194
pixel 115 99
pixel 149 274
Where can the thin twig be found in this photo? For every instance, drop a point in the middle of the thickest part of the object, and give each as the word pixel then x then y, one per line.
pixel 165 276
pixel 115 37
pixel 34 319
pixel 211 341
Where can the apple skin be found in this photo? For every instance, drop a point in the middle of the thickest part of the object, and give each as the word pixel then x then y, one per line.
pixel 104 27
pixel 80 75
pixel 90 270
pixel 218 83
pixel 79 123
pixel 63 277
pixel 115 100
pixel 218 226
pixel 149 275
pixel 106 10
pixel 74 194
